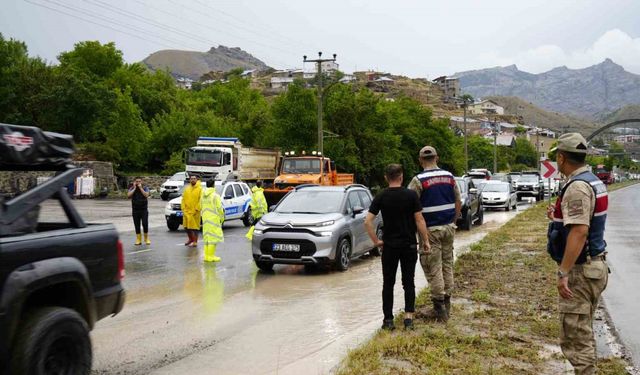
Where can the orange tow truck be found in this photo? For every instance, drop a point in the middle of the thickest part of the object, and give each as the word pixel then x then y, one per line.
pixel 305 169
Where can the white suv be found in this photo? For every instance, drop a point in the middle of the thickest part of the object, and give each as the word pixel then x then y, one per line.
pixel 235 200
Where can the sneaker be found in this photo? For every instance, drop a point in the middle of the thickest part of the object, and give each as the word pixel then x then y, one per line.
pixel 388 324
pixel 408 324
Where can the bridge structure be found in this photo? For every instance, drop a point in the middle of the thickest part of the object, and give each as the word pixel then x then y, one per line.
pixel 609 126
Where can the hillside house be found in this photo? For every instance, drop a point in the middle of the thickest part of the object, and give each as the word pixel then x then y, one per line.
pixel 184 83
pixel 450 86
pixel 485 107
pixel 506 140
pixel 630 138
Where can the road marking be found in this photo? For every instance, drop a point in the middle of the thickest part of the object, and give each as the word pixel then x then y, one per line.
pixel 140 251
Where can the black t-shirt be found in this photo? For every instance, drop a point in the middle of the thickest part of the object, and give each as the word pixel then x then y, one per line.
pixel 398 206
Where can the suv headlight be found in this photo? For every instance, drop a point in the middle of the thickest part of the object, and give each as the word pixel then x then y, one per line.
pixel 168 207
pixel 325 234
pixel 262 222
pixel 327 223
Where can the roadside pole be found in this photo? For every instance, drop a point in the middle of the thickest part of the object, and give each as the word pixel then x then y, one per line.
pixel 549 170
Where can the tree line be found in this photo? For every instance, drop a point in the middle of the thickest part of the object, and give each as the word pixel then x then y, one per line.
pixel 139 120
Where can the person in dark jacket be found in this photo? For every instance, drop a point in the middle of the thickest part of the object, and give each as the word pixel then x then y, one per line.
pixel 139 195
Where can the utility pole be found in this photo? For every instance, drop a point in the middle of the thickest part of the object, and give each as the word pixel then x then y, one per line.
pixel 495 145
pixel 319 62
pixel 466 147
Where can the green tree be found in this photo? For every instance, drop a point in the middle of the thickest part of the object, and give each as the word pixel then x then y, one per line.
pixel 294 125
pixel 93 57
pixel 127 134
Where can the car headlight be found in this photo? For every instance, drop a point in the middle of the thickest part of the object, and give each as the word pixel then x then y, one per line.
pixel 168 206
pixel 327 223
pixel 262 222
pixel 257 231
pixel 325 234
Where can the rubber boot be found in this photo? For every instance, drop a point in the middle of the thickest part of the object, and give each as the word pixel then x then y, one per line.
pixel 146 239
pixel 190 235
pixel 194 236
pixel 214 258
pixel 207 253
pixel 440 310
pixel 447 304
pixel 138 239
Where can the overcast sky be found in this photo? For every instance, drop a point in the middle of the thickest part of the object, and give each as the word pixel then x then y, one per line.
pixel 418 38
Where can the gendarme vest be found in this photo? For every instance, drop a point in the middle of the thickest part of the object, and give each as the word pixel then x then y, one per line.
pixel 438 197
pixel 557 233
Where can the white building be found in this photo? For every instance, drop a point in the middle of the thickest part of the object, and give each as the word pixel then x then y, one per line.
pixel 281 82
pixel 184 83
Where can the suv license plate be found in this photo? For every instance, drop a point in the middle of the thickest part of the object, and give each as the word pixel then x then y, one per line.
pixel 286 247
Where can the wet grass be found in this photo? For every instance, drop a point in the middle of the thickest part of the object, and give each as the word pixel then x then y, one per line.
pixel 504 318
pixel 621 185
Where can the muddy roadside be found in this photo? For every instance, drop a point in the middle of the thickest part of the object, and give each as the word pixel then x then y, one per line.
pixel 504 318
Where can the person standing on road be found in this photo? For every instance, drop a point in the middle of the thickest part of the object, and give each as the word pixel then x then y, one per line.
pixel 212 220
pixel 191 210
pixel 258 206
pixel 576 243
pixel 440 204
pixel 139 195
pixel 402 217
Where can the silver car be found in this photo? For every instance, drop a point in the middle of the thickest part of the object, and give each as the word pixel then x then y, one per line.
pixel 315 225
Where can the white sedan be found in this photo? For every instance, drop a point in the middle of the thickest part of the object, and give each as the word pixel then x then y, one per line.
pixel 499 194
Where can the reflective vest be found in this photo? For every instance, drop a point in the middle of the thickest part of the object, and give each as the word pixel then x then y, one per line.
pixel 558 233
pixel 258 202
pixel 438 197
pixel 212 217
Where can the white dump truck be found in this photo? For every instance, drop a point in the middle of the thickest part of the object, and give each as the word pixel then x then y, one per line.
pixel 227 159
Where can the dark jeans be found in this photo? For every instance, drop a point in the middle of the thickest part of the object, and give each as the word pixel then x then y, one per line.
pixel 141 216
pixel 407 257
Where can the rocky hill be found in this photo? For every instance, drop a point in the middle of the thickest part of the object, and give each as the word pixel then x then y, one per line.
pixel 194 64
pixel 626 112
pixel 587 92
pixel 529 113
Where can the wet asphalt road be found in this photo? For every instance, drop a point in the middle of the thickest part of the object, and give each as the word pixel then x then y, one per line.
pixel 621 296
pixel 183 316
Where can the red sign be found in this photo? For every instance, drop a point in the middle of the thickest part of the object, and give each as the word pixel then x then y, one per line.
pixel 549 169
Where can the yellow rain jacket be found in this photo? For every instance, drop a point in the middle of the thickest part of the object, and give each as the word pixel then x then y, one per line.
pixel 191 206
pixel 212 217
pixel 258 203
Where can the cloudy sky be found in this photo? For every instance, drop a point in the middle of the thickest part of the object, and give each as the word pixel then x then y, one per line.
pixel 418 38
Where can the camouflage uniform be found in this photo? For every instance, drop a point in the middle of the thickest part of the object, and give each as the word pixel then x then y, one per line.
pixel 587 281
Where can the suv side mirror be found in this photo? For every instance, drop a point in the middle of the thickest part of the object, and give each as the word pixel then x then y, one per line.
pixel 272 208
pixel 357 210
pixel 473 191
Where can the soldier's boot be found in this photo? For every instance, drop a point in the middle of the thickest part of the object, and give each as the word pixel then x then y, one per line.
pixel 447 304
pixel 138 239
pixel 440 310
pixel 146 239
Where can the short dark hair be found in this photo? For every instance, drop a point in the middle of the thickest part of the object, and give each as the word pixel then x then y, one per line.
pixel 393 171
pixel 211 182
pixel 259 183
pixel 575 158
pixel 428 158
pixel 137 178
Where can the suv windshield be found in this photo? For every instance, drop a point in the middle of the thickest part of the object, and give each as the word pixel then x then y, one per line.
pixel 180 176
pixel 529 178
pixel 498 188
pixel 301 166
pixel 311 202
pixel 204 157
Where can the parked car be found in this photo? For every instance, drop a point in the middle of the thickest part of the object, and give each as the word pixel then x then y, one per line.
pixel 483 171
pixel 471 203
pixel 499 194
pixel 171 188
pixel 315 225
pixel 530 185
pixel 57 278
pixel 235 196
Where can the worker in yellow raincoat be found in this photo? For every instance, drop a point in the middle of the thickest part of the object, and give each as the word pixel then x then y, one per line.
pixel 191 210
pixel 258 206
pixel 212 220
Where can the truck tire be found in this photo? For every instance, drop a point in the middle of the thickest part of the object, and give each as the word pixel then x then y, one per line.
pixel 52 340
pixel 264 266
pixel 173 225
pixel 343 252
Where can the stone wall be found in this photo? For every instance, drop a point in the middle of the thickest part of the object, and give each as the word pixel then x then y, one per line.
pixel 153 182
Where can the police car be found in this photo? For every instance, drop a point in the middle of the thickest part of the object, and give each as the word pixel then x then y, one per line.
pixel 235 200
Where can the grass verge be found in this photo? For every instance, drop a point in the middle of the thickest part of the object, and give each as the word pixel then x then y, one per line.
pixel 504 318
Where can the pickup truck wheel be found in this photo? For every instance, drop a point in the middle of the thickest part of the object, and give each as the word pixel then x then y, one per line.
pixel 343 251
pixel 52 340
pixel 164 196
pixel 173 225
pixel 264 266
pixel 466 223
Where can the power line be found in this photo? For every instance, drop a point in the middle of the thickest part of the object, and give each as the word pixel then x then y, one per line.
pixel 97 23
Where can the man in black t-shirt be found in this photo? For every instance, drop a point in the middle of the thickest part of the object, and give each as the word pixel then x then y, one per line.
pixel 402 217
